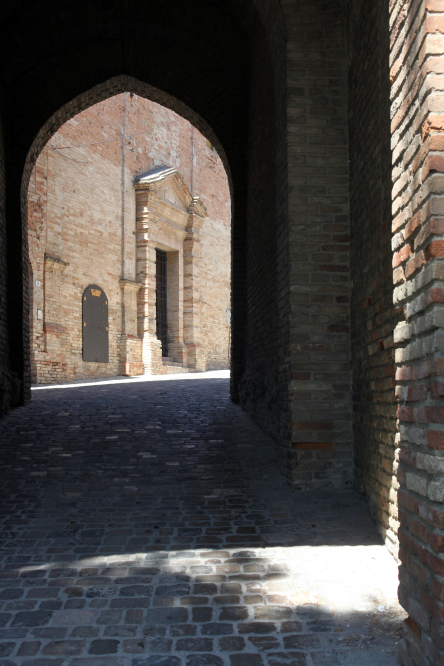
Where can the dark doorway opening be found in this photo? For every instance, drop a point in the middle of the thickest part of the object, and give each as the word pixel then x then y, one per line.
pixel 161 300
pixel 95 325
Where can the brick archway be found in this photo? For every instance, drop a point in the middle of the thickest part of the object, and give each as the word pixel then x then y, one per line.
pixel 206 65
pixel 295 93
pixel 238 69
pixel 83 102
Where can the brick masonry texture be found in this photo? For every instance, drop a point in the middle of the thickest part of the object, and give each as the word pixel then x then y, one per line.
pixel 317 418
pixel 163 536
pixel 373 314
pixel 416 66
pixel 75 230
pixel 278 88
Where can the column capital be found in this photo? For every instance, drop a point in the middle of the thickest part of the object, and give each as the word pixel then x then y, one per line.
pixel 129 285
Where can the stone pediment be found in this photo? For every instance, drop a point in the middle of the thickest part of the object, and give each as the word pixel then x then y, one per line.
pixel 167 183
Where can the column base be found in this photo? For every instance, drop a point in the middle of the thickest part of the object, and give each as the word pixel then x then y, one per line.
pixel 152 355
pixel 130 361
pixel 196 356
pixel 178 353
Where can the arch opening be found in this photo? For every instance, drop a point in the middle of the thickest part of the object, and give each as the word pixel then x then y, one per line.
pixel 303 115
pixel 117 185
pixel 220 75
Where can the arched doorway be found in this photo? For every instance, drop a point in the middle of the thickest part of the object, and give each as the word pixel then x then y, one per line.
pixel 101 206
pixel 267 82
pixel 217 93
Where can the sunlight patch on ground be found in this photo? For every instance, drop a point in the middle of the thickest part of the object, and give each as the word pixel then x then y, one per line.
pixel 345 579
pixel 211 374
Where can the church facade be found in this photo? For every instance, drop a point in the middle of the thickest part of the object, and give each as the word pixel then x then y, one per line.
pixel 135 178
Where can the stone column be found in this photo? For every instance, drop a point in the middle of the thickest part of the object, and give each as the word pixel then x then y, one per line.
pixel 177 350
pixel 130 362
pixel 191 293
pixel 417 64
pixel 146 277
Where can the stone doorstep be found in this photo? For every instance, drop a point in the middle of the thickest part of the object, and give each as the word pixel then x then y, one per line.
pixel 166 360
pixel 172 367
pixel 177 369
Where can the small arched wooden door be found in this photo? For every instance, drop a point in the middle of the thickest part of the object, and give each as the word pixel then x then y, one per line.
pixel 95 325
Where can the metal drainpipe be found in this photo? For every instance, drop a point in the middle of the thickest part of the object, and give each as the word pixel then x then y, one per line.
pixel 122 244
pixel 192 159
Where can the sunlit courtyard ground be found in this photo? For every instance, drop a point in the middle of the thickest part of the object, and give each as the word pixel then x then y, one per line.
pixel 144 523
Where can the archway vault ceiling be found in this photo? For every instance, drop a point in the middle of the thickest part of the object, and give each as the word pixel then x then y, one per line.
pixel 199 52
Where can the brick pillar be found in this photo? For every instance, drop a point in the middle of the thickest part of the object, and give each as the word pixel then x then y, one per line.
pixel 191 293
pixel 130 362
pixel 177 350
pixel 146 298
pixel 313 376
pixel 417 67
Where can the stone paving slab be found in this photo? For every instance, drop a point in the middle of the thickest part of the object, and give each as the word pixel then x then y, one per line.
pixel 146 524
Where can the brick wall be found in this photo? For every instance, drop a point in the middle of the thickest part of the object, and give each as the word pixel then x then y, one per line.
pixel 75 208
pixel 417 124
pixel 373 314
pixel 296 381
pixel 317 425
pixel 211 185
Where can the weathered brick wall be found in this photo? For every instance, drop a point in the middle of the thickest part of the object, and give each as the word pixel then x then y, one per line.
pixel 211 185
pixel 74 200
pixel 260 293
pixel 373 314
pixel 417 124
pixel 317 424
pixel 296 382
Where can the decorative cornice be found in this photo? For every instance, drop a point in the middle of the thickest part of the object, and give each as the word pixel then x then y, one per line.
pixel 56 264
pixel 152 179
pixel 197 207
pixel 129 284
pixel 155 175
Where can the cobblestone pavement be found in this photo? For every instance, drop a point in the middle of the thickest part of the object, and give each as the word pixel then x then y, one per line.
pixel 146 524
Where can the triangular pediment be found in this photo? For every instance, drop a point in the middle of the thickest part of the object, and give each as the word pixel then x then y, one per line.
pixel 168 184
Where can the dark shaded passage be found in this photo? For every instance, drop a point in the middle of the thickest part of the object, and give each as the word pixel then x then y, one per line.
pixel 146 523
